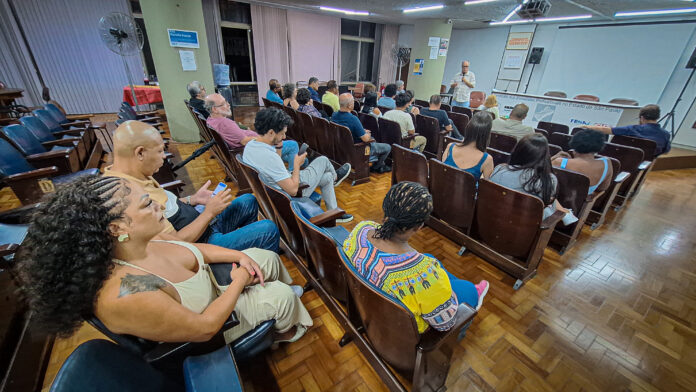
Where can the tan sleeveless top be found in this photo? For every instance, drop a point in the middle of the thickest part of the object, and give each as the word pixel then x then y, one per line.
pixel 196 292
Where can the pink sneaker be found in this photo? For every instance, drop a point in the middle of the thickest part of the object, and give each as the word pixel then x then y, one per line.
pixel 482 290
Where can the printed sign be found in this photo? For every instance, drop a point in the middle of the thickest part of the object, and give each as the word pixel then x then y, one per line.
pixel 188 60
pixel 433 53
pixel 444 44
pixel 183 38
pixel 513 61
pixel 418 66
pixel 433 41
pixel 519 41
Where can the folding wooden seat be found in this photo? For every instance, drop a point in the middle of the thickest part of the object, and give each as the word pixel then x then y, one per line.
pixel 44 117
pixel 383 109
pixel 624 101
pixel 318 105
pixel 325 138
pixel 292 129
pixel 502 142
pixel 586 97
pixel 462 110
pixel 408 165
pixel 390 132
pixel 554 149
pixel 430 128
pixel 631 159
pixel 499 157
pixel 542 132
pixel 252 177
pixel 328 109
pixel 424 359
pixel 459 120
pixel 510 230
pixel 61 153
pixel 44 134
pixel 454 201
pixel 444 107
pixel 562 140
pixel 603 203
pixel 266 102
pixel 304 122
pixel 558 94
pixel 552 127
pixel 572 194
pixel 357 154
pixel 370 122
pixel 648 146
pixel 49 140
pixel 422 103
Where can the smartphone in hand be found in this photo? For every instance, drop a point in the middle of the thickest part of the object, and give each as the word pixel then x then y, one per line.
pixel 219 188
pixel 303 149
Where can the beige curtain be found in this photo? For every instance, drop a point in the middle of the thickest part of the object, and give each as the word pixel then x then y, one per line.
pixel 387 64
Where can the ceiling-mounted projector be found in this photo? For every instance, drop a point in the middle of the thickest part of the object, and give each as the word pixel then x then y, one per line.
pixel 534 9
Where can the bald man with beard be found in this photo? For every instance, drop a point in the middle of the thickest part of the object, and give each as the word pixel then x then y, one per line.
pixel 139 153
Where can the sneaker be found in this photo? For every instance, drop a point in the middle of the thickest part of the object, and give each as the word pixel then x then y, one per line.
pixel 385 169
pixel 569 218
pixel 342 173
pixel 298 290
pixel 482 290
pixel 344 218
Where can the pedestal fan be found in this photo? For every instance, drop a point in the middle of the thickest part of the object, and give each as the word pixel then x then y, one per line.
pixel 122 36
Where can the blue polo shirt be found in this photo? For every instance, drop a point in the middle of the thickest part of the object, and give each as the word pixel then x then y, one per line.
pixel 387 102
pixel 652 131
pixel 272 96
pixel 264 158
pixel 349 120
pixel 314 94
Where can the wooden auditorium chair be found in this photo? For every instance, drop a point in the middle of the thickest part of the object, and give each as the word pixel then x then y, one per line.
pixel 55 127
pixel 557 94
pixel 325 136
pixel 648 146
pixel 44 134
pixel 601 206
pixel 62 153
pixel 422 103
pixel 370 122
pixel 499 157
pixel 554 149
pixel 552 127
pixel 542 132
pixel 502 142
pixel 47 140
pixel 562 140
pixel 624 101
pixel 383 109
pixel 408 165
pixel 390 133
pixel 460 120
pixel 462 110
pixel 586 97
pixel 357 154
pixel 631 159
pixel 430 128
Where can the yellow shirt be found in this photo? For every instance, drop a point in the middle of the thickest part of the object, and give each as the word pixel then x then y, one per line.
pixel 151 186
pixel 331 100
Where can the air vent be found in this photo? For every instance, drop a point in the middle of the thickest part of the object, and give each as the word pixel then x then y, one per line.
pixel 534 9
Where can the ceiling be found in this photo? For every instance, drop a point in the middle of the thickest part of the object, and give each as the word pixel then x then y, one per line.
pixel 477 15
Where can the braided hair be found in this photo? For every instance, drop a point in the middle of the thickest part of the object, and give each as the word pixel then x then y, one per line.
pixel 406 205
pixel 67 254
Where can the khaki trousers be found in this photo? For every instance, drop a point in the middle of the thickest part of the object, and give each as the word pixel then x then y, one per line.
pixel 418 143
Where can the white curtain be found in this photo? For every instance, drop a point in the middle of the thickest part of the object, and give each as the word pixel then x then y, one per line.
pixel 211 16
pixel 83 75
pixel 387 64
pixel 315 47
pixel 270 46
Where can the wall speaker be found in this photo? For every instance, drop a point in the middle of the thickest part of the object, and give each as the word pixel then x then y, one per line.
pixel 692 61
pixel 535 56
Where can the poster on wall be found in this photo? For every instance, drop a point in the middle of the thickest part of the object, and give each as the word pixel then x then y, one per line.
pixel 418 66
pixel 183 38
pixel 433 52
pixel 434 41
pixel 513 61
pixel 188 60
pixel 444 44
pixel 519 41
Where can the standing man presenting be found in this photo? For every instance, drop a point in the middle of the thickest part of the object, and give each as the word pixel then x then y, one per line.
pixel 462 83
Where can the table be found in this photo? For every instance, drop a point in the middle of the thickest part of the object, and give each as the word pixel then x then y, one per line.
pixel 571 112
pixel 8 95
pixel 144 95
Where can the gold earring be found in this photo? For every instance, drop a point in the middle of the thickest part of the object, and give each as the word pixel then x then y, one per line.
pixel 123 237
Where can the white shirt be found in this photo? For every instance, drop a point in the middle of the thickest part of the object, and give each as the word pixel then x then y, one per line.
pixel 462 91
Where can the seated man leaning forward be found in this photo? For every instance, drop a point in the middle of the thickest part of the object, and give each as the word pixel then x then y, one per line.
pixel 271 124
pixel 513 126
pixel 102 260
pixel 381 254
pixel 139 153
pixel 236 137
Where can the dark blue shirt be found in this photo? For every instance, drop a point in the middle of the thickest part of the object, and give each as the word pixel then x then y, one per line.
pixel 349 120
pixel 314 94
pixel 440 115
pixel 652 131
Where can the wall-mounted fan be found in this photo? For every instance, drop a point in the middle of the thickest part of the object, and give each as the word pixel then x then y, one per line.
pixel 122 36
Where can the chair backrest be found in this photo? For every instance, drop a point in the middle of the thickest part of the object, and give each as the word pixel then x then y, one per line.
pixel 383 109
pixel 476 98
pixel 572 188
pixel 462 110
pixel 266 102
pixel 359 89
pixel 554 149
pixel 542 132
pixel 460 120
pixel 343 142
pixel 586 97
pixel 454 195
pixel 252 177
pixel 291 132
pixel 101 365
pixel 498 156
pixel 356 105
pixel 370 122
pixel 445 107
pixel 430 128
pixel 328 109
pixel 390 131
pixel 421 102
pixel 506 220
pixel 624 101
pixel 552 127
pixel 57 114
pixel 318 105
pixel 222 152
pixel 11 160
pixel 502 142
pixel 37 128
pixel 47 119
pixel 408 165
pixel 648 146
pixel 562 140
pixel 24 140
pixel 322 254
pixel 304 122
pixel 557 94
pixel 280 202
pixel 325 138
pixel 389 325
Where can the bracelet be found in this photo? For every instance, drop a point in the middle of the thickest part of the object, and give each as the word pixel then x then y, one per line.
pixel 188 199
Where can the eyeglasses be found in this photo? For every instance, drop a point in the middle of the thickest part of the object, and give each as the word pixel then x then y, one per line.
pixel 224 104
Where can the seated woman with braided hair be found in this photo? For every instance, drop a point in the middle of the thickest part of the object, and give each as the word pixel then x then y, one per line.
pixel 90 251
pixel 381 254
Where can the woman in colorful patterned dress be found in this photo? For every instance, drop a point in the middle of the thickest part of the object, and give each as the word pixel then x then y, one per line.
pixel 381 254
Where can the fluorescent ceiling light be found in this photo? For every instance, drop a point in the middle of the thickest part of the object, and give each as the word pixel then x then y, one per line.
pixel 512 13
pixel 656 12
pixel 472 2
pixel 432 7
pixel 588 16
pixel 347 12
pixel 511 22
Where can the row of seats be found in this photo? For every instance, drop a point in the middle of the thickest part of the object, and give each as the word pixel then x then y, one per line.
pixel 592 98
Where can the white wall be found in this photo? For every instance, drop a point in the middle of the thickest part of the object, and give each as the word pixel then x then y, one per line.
pixel 406 35
pixel 483 48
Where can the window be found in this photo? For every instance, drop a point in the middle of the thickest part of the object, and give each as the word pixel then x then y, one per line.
pixel 235 30
pixel 146 54
pixel 357 51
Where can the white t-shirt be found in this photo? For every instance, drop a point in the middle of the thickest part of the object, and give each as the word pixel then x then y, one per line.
pixel 404 119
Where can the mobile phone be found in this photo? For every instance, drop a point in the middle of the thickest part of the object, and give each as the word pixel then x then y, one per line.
pixel 221 186
pixel 303 149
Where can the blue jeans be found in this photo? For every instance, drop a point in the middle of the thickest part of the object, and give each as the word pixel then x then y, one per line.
pixel 290 149
pixel 380 151
pixel 237 227
pixel 465 290
pixel 460 104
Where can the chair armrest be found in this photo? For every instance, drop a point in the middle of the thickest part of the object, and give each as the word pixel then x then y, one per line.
pixel 62 142
pixel 644 165
pixel 409 137
pixel 621 177
pixel 148 119
pixel 149 113
pixel 302 186
pixel 363 144
pixel 174 186
pixel 593 196
pixel 49 154
pixel 327 218
pixel 551 221
pixel 43 172
pixel 76 123
pixel 69 132
pixel 432 339
pixel 79 116
pixel 18 215
pixel 8 249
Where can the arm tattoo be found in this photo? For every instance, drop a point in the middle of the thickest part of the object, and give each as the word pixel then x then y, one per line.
pixel 132 284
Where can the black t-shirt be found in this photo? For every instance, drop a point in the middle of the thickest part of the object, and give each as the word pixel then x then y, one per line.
pixel 440 115
pixel 184 216
pixel 199 105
